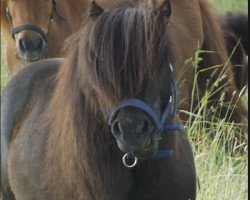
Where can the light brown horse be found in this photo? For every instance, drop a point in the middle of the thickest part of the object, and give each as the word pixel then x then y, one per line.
pixel 57 142
pixel 35 30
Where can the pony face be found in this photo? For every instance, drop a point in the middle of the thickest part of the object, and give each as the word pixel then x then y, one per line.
pixel 127 56
pixel 29 21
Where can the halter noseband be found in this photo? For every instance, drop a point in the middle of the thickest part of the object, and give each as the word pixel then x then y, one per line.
pixel 129 160
pixel 32 27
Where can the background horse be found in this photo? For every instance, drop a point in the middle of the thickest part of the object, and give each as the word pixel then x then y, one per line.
pixel 56 141
pixel 37 29
pixel 238 25
pixel 235 28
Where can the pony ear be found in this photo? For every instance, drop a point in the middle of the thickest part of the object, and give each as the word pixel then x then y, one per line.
pixel 163 8
pixel 166 9
pixel 95 10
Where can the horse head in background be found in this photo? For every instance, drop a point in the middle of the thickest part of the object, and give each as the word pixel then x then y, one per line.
pixel 37 29
pixel 31 39
pixel 235 28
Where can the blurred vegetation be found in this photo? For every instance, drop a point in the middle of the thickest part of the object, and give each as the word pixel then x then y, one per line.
pixel 231 5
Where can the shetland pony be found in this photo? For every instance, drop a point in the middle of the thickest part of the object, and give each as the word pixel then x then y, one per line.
pixel 238 25
pixel 37 29
pixel 59 140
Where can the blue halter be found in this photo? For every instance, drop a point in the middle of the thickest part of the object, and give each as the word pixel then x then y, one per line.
pixel 160 125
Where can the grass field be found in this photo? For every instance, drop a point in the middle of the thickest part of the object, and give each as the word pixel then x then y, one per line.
pixel 221 176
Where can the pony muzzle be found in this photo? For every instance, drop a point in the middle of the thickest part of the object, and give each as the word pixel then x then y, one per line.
pixel 130 159
pixel 142 149
pixel 148 149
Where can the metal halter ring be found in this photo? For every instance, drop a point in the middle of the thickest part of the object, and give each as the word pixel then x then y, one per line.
pixel 127 156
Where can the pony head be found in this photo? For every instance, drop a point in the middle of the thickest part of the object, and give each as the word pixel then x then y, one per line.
pixel 126 54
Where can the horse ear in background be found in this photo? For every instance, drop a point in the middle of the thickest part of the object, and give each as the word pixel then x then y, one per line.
pixel 95 10
pixel 235 28
pixel 163 7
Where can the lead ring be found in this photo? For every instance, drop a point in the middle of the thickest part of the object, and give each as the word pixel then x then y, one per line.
pixel 125 163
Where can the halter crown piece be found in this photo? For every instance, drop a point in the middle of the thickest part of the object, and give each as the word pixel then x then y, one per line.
pixel 129 160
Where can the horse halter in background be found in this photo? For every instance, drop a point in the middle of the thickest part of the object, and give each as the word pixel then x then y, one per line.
pixel 160 125
pixel 32 27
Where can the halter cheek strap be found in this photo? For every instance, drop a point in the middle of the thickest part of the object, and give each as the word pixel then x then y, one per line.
pixel 30 27
pixel 160 125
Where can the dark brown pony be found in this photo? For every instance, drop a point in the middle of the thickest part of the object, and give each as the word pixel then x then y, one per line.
pixel 56 140
pixel 235 28
pixel 37 29
pixel 237 23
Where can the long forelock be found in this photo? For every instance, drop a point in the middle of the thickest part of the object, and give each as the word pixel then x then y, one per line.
pixel 121 50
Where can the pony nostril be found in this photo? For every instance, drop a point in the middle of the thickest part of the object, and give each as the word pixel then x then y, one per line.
pixel 115 129
pixel 142 127
pixel 22 45
pixel 39 43
pixel 30 45
pixel 146 126
pixel 130 129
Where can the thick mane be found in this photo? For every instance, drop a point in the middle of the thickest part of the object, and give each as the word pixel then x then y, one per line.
pixel 112 37
pixel 72 138
pixel 126 42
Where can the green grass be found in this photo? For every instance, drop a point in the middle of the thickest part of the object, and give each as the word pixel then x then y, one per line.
pixel 222 174
pixel 4 75
pixel 4 69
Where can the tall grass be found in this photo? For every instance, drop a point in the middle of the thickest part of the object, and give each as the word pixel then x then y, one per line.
pixel 4 69
pixel 222 174
pixel 4 75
